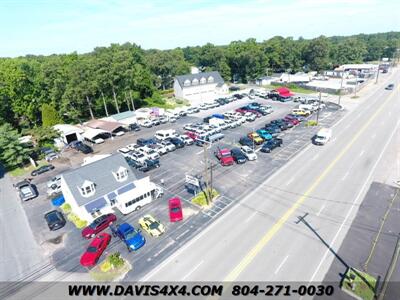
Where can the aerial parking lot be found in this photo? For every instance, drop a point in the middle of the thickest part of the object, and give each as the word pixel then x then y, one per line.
pixel 232 182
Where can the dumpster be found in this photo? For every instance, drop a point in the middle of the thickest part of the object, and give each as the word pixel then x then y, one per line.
pixel 58 201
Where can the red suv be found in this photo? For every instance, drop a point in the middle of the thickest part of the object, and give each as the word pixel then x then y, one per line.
pixel 192 135
pixel 175 209
pixel 98 225
pixel 224 156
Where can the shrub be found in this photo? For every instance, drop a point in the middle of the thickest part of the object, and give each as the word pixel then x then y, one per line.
pixel 105 266
pixel 200 198
pixel 179 101
pixel 66 208
pixel 311 123
pixel 77 221
pixel 116 260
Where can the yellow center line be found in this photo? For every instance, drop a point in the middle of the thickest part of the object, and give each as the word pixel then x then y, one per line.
pixel 234 274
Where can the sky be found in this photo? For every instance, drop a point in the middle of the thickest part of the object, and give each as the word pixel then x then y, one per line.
pixel 63 26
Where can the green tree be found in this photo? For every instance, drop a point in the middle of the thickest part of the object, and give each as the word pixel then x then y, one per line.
pixel 12 153
pixel 44 136
pixel 317 54
pixel 350 50
pixel 50 116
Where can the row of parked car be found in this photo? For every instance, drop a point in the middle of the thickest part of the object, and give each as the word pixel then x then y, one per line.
pixel 130 236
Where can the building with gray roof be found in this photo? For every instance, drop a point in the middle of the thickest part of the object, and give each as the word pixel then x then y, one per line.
pixel 101 186
pixel 199 87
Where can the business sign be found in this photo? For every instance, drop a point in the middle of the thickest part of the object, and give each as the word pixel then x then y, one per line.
pixel 192 180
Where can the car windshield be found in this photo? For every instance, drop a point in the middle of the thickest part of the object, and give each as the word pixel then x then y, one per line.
pixel 91 249
pixel 131 235
pixel 175 209
pixel 154 225
pixel 52 217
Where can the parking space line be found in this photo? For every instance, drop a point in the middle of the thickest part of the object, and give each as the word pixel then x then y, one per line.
pixel 362 152
pixel 192 271
pixel 320 210
pixel 290 181
pixel 250 217
pixel 182 234
pixel 281 264
pixel 163 248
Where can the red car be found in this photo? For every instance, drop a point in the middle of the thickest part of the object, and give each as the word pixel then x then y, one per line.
pixel 292 120
pixel 192 135
pixel 241 111
pixel 95 250
pixel 175 209
pixel 225 157
pixel 98 225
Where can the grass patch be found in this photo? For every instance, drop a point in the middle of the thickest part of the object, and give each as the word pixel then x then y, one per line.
pixel 293 87
pixel 26 169
pixel 200 198
pixel 113 268
pixel 355 97
pixel 359 283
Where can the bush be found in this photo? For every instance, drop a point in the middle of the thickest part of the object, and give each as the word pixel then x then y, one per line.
pixel 105 266
pixel 77 221
pixel 179 101
pixel 201 200
pixel 116 260
pixel 311 123
pixel 66 208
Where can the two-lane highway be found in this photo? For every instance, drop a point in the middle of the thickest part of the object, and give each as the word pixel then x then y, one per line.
pixel 326 182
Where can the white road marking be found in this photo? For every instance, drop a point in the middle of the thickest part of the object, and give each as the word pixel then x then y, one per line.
pixel 290 181
pixel 165 247
pixel 383 123
pixel 362 152
pixel 281 264
pixel 192 270
pixel 199 152
pixel 257 150
pixel 320 210
pixel 373 136
pixel 345 175
pixel 354 202
pixel 220 219
pixel 182 234
pixel 250 217
pixel 315 157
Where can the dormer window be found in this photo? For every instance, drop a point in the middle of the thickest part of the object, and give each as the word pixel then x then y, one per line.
pixel 203 80
pixel 210 79
pixel 87 189
pixel 121 174
pixel 186 82
pixel 195 81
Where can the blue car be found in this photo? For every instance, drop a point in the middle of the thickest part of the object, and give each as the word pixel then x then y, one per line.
pixel 131 237
pixel 264 134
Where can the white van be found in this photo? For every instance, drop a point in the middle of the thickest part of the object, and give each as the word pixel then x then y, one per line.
pixel 323 136
pixel 162 135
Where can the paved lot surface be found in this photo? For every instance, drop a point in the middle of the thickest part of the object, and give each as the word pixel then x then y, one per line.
pixel 253 201
pixel 259 239
pixel 380 200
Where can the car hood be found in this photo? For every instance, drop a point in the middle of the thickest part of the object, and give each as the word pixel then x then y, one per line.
pixel 88 259
pixel 87 231
pixel 136 242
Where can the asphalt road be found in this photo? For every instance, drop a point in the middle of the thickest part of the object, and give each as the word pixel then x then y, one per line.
pixel 259 238
pixel 19 253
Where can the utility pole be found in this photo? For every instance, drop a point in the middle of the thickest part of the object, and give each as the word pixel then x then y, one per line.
pixel 115 99
pixel 341 86
pixel 355 88
pixel 377 72
pixel 319 105
pixel 104 102
pixel 90 107
pixel 392 266
pixel 206 172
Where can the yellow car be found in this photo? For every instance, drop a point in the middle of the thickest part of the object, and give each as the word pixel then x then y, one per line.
pixel 151 225
pixel 256 138
pixel 300 112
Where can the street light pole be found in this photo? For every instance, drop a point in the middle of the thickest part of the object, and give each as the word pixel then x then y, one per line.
pixel 319 105
pixel 377 72
pixel 341 87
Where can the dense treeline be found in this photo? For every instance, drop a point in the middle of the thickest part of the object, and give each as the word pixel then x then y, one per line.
pixel 74 86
